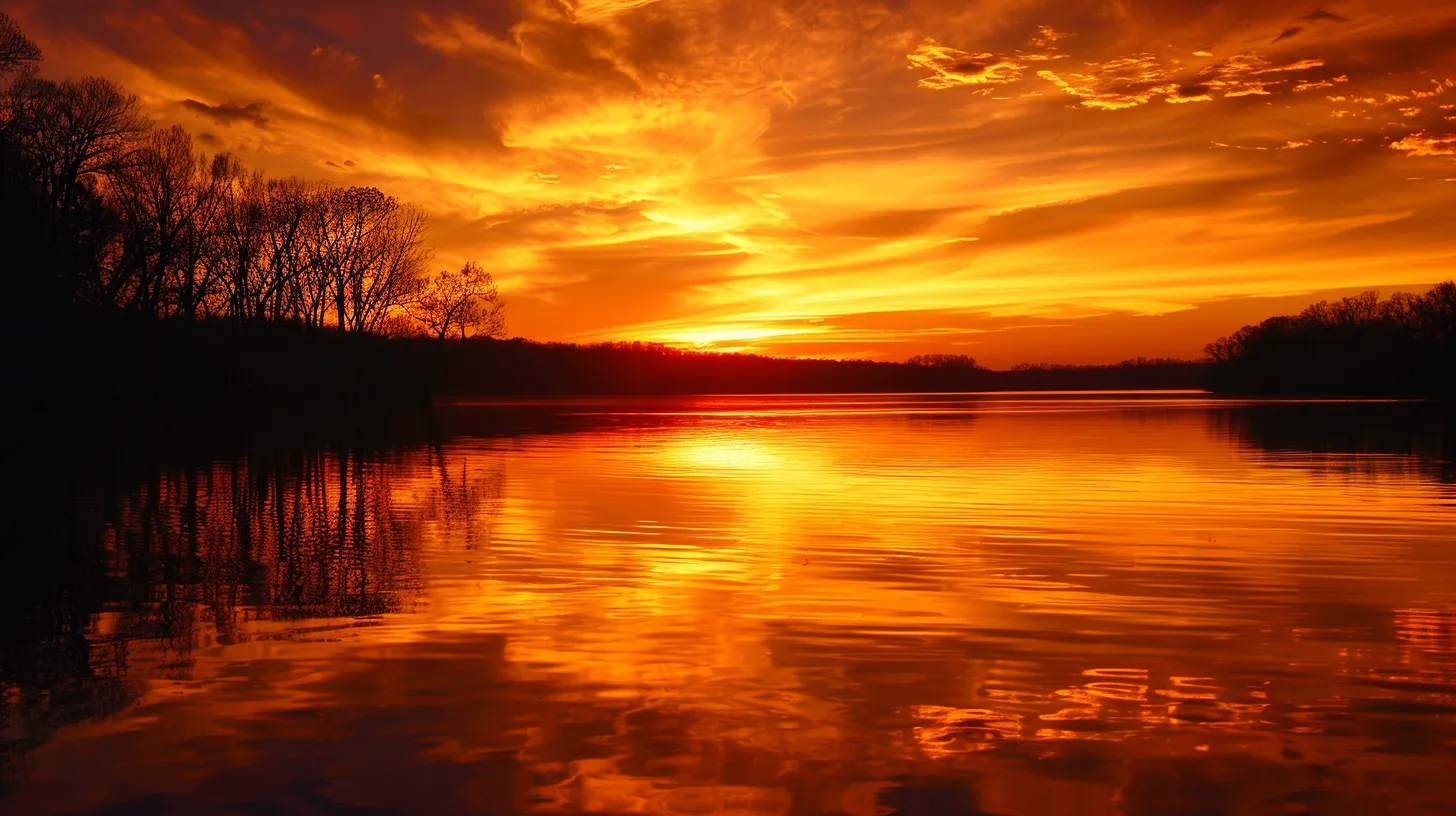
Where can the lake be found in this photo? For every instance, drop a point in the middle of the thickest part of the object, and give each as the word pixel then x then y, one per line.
pixel 994 604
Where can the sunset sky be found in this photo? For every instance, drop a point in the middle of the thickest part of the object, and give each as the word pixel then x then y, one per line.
pixel 1069 181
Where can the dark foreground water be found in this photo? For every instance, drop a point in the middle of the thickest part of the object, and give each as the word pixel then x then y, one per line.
pixel 1010 605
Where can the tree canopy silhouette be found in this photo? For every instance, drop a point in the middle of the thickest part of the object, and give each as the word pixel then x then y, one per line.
pixel 99 210
pixel 1361 344
pixel 16 49
pixel 466 301
pixel 944 361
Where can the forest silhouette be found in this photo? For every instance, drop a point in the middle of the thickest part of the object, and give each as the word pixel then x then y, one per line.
pixel 1405 344
pixel 155 276
pixel 106 213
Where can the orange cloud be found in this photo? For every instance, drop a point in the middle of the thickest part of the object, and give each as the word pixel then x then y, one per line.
pixel 1427 144
pixel 860 177
pixel 951 67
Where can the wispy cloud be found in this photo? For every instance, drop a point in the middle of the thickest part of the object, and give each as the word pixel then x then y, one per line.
pixel 1427 144
pixel 951 67
pixel 229 112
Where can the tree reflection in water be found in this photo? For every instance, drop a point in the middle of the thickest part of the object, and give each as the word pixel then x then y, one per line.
pixel 114 579
pixel 958 605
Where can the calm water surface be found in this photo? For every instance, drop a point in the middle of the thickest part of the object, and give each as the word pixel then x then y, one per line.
pixel 857 605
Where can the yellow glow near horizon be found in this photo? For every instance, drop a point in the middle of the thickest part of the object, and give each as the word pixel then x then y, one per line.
pixel 727 334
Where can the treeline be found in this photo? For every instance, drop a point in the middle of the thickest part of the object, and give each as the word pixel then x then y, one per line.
pixel 1359 345
pixel 511 367
pixel 1135 362
pixel 102 213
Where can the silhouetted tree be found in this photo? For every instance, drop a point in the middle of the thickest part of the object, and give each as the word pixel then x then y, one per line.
pixel 76 133
pixel 367 254
pixel 239 255
pixel 169 198
pixel 17 51
pixel 466 301
pixel 944 361
pixel 99 211
pixel 395 272
pixel 283 288
pixel 63 141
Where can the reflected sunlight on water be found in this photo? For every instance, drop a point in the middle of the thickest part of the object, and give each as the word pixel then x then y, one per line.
pixel 1087 604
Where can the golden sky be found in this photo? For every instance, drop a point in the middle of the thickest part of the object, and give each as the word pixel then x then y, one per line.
pixel 1070 181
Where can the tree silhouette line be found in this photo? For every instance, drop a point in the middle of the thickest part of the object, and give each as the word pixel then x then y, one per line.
pixel 103 211
pixel 1361 344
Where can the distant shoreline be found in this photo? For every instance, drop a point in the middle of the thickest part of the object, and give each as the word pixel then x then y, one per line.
pixel 90 367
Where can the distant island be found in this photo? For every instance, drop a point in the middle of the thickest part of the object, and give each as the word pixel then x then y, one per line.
pixel 146 275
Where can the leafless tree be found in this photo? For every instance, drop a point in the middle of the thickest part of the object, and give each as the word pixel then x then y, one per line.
pixel 367 252
pixel 105 211
pixel 466 301
pixel 17 51
pixel 169 196
pixel 400 324
pixel 341 234
pixel 239 253
pixel 154 193
pixel 76 133
pixel 395 273
pixel 201 284
pixel 284 288
pixel 70 139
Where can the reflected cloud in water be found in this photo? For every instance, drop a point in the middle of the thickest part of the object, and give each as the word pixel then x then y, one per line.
pixel 807 605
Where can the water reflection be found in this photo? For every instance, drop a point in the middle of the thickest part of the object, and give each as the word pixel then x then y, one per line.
pixel 863 605
pixel 1333 436
pixel 141 575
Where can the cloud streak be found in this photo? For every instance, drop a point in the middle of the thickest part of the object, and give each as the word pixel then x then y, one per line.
pixel 951 67
pixel 229 113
